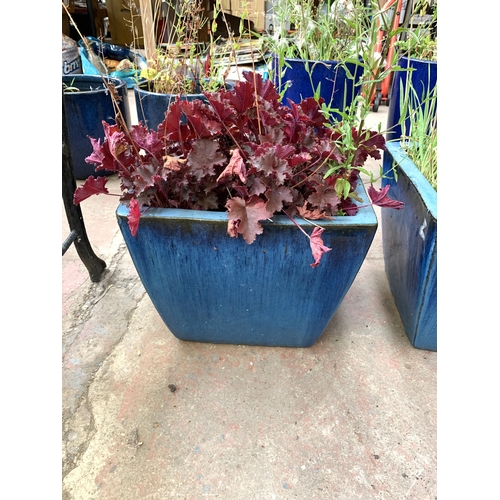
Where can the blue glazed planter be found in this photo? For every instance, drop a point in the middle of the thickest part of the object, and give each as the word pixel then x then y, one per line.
pixel 209 287
pixel 85 111
pixel 338 88
pixel 410 248
pixel 423 78
pixel 151 106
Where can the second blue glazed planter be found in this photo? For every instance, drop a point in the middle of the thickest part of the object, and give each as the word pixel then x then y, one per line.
pixel 151 106
pixel 338 86
pixel 210 287
pixel 423 77
pixel 409 239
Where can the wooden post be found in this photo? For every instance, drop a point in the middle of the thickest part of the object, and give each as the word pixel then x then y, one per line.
pixel 148 28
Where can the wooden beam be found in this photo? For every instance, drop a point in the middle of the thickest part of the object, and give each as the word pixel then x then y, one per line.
pixel 148 28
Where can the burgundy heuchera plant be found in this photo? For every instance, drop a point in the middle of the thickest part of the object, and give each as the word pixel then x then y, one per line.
pixel 243 152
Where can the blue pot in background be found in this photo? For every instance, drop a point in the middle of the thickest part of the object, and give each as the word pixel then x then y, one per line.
pixel 210 287
pixel 85 111
pixel 423 78
pixel 337 86
pixel 409 238
pixel 151 106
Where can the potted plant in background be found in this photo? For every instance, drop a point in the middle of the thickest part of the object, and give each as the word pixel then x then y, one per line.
pixel 417 51
pixel 89 100
pixel 321 57
pixel 243 165
pixel 182 66
pixel 410 236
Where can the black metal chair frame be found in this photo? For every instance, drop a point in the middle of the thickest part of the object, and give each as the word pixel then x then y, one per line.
pixel 78 234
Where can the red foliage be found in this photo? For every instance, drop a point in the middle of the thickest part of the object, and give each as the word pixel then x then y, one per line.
pixel 243 152
pixel 317 246
pixel 93 185
pixel 381 199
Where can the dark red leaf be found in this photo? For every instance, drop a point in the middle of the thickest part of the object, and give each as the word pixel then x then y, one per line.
pixel 243 96
pixel 244 217
pixel 93 185
pixel 370 143
pixel 204 156
pixel 312 112
pixel 148 140
pixel 172 127
pixel 276 195
pixel 324 197
pixel 201 124
pixel 263 88
pixel 266 160
pixel 133 217
pixel 236 166
pixel 381 199
pixel 317 246
pixel 313 214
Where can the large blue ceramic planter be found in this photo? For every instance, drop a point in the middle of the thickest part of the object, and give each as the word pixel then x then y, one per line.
pixel 423 76
pixel 410 248
pixel 209 287
pixel 85 111
pixel 338 87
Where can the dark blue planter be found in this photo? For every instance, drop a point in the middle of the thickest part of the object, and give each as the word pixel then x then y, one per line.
pixel 209 287
pixel 423 78
pixel 151 106
pixel 410 248
pixel 338 88
pixel 85 112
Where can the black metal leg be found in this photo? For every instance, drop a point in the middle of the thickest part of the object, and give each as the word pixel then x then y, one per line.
pixel 78 234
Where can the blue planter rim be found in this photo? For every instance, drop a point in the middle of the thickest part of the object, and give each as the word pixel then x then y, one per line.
pixel 365 216
pixel 138 89
pixel 117 82
pixel 144 92
pixel 424 61
pixel 427 192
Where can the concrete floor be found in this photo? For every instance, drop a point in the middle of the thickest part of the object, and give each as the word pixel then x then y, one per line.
pixel 149 417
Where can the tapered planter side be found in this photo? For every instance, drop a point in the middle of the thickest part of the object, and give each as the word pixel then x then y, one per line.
pixel 209 287
pixel 409 239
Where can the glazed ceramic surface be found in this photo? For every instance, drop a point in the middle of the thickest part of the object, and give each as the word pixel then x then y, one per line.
pixel 337 87
pixel 151 106
pixel 409 240
pixel 423 76
pixel 210 287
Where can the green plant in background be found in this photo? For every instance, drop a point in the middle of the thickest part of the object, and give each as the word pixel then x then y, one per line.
pixel 421 42
pixel 178 64
pixel 330 31
pixel 70 88
pixel 183 64
pixel 375 69
pixel 326 32
pixel 419 130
